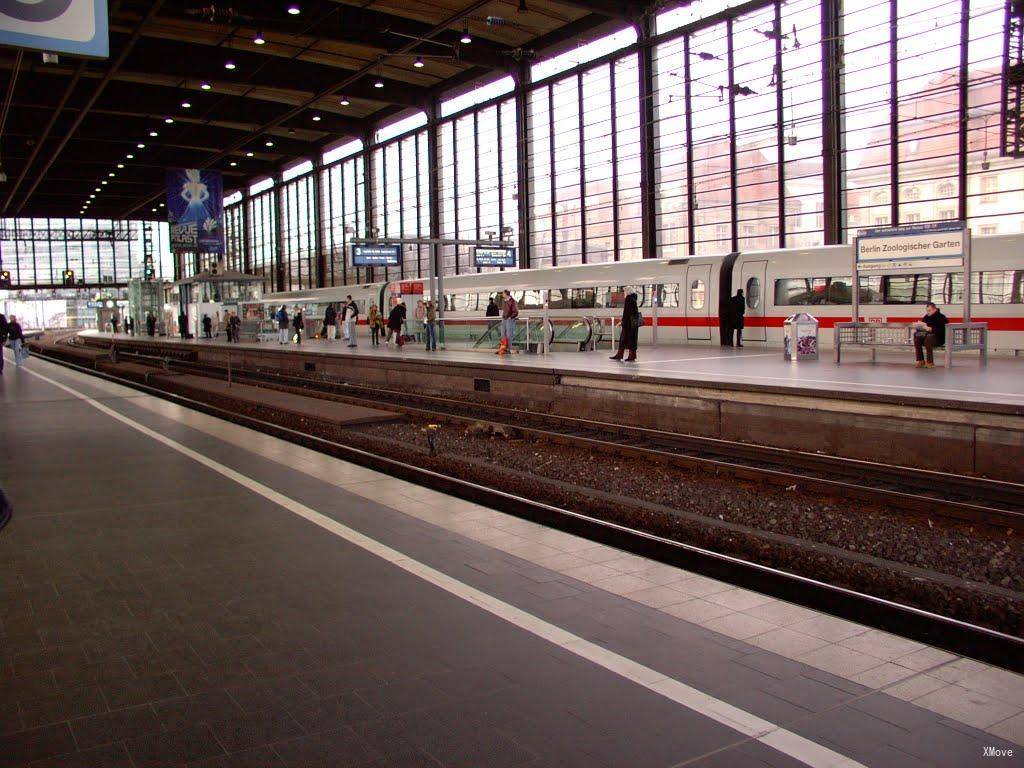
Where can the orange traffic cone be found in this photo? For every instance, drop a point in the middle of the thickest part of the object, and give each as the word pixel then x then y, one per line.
pixel 503 347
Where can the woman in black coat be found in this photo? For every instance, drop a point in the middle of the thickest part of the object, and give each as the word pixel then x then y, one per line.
pixel 395 319
pixel 631 322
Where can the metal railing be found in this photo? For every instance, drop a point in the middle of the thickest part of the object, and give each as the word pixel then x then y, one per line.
pixel 960 337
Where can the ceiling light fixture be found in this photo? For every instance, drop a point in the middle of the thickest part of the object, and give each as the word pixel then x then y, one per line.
pixel 344 101
pixel 153 210
pixel 465 39
pixel 111 174
pixel 140 145
pixel 294 10
pixel 269 143
pixel 186 105
pixel 248 154
pixel 92 197
pixel 130 156
pixel 259 39
pixel 168 120
pixel 104 182
pixel 205 85
pixel 378 83
pixel 97 189
pixel 317 118
pixel 154 134
pixel 418 63
pixel 233 163
pixel 229 64
pixel 120 165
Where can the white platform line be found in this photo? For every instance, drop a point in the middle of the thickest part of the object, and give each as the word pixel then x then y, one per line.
pixel 746 356
pixel 752 726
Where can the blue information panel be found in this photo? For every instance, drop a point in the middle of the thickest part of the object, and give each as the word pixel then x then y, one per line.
pixel 60 26
pixel 494 257
pixel 386 255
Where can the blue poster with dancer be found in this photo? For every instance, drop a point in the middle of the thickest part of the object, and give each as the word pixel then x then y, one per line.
pixel 195 210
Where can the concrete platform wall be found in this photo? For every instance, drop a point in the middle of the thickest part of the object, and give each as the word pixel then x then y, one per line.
pixel 968 439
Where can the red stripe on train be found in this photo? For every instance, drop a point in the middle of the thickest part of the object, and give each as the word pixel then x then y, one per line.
pixel 751 321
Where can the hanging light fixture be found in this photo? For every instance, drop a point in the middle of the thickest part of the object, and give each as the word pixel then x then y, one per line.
pixel 168 120
pixel 344 101
pixel 294 10
pixel 205 86
pixel 186 105
pixel 316 118
pixel 229 64
pixel 259 39
pixel 465 39
pixel 418 63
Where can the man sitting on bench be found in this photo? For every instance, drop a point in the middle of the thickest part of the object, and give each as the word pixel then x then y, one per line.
pixel 929 334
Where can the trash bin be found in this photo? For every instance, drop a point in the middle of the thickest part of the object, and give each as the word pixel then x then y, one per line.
pixel 800 337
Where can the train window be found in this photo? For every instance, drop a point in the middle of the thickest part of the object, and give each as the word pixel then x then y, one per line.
pixel 698 294
pixel 1000 286
pixel 559 299
pixel 907 289
pixel 667 295
pixel 584 298
pixel 753 293
pixel 839 290
pixel 870 290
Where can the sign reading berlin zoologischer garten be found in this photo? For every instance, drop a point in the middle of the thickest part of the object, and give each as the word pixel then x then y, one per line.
pixel 927 246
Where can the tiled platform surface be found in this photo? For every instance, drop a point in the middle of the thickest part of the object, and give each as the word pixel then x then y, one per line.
pixel 1000 383
pixel 156 612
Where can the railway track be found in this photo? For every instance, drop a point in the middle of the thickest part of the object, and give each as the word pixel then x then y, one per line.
pixel 971 499
pixel 957 636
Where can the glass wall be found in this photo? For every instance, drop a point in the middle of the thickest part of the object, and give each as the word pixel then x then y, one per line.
pixel 736 117
pixel 99 251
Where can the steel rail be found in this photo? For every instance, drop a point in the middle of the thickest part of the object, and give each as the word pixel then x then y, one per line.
pixel 960 637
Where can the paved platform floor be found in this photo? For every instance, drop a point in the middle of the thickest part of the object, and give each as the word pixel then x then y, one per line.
pixel 175 590
pixel 1000 382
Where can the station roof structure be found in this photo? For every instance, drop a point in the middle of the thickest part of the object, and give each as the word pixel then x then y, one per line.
pixel 247 86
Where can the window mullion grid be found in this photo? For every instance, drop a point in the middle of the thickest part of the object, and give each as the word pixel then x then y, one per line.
pixel 554 175
pixel 583 168
pixel 476 173
pixel 455 186
pixel 894 115
pixel 691 201
pixel 614 104
pixel 780 141
pixel 401 205
pixel 733 176
pixel 965 13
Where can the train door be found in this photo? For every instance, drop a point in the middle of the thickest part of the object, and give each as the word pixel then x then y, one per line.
pixel 753 281
pixel 696 297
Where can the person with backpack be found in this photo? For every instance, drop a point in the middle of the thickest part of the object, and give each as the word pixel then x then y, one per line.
pixel 351 317
pixel 629 330
pixel 330 322
pixel 282 325
pixel 298 323
pixel 509 313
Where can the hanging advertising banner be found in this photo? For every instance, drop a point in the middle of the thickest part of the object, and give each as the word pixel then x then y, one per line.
pixel 56 26
pixel 924 246
pixel 195 210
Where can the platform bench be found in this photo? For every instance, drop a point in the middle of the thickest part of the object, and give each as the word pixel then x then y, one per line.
pixel 960 337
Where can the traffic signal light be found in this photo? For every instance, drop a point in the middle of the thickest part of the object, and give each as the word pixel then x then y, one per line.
pixel 5 278
pixel 149 273
pixel 69 277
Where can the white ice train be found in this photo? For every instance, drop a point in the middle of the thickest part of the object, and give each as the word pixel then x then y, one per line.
pixel 683 295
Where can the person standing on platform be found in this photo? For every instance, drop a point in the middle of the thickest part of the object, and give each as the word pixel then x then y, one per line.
pixel 4 329
pixel 298 323
pixel 113 322
pixel 330 322
pixel 395 320
pixel 737 310
pixel 229 329
pixel 16 338
pixel 430 325
pixel 351 318
pixel 234 327
pixel 183 325
pixel 629 331
pixel 129 326
pixel 150 324
pixel 282 325
pixel 492 308
pixel 929 333
pixel 376 322
pixel 207 327
pixel 509 313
